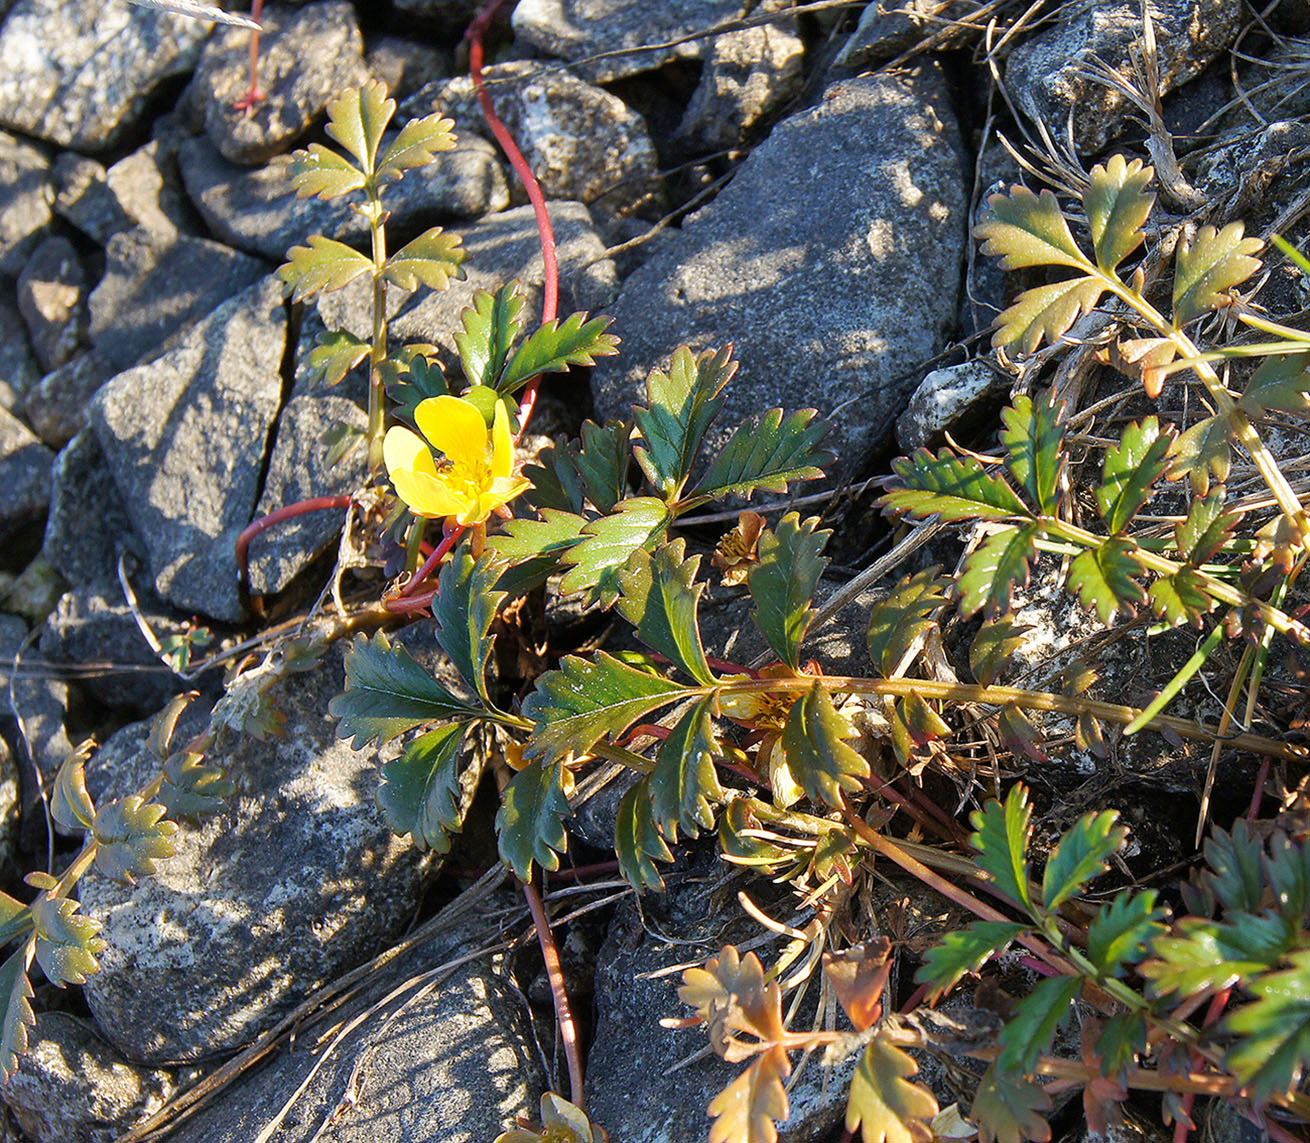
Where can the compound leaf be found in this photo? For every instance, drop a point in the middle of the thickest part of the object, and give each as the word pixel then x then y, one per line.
pixel 730 994
pixel 388 693
pixel 1118 205
pixel 899 620
pixel 465 607
pixel 1036 1018
pixel 767 454
pixel 813 739
pixel 335 354
pixel 193 787
pixel 320 173
pixel 883 1102
pixel 1209 265
pixel 1103 579
pixel 530 822
pixel 1121 931
pixel 324 264
pixel 783 581
pixel 1280 384
pixel 1080 855
pixel 602 463
pixel 680 405
pixel 432 259
pixel 962 951
pixel 1130 472
pixel 555 346
pixel 1029 230
pixel 1032 437
pixel 1180 598
pixel 358 117
pixel 131 835
pixel 1235 868
pixel 953 487
pixel 416 146
pixel 1045 313
pixel 490 324
pixel 659 598
pixel 637 841
pixel 587 699
pixel 423 791
pixel 1273 1033
pixel 66 941
pixel 1008 1109
pixel 533 549
pixel 16 995
pixel 684 786
pixel 1201 452
pixel 994 569
pixel 70 804
pixel 1195 956
pixel 745 1110
pixel 1001 838
pixel 608 543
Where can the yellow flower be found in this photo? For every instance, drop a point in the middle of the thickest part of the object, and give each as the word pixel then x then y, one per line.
pixel 476 476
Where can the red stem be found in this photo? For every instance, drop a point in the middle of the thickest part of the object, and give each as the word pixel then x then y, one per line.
pixel 448 540
pixel 289 512
pixel 583 872
pixel 568 1030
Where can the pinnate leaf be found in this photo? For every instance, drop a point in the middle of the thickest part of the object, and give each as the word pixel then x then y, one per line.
pixel 994 569
pixel 131 835
pixel 1121 932
pixel 324 264
pixel 1029 230
pixel 963 951
pixel 1103 579
pixel 1208 266
pixel 432 259
pixel 424 791
pixel 335 354
pixel 684 786
pixel 602 463
pixel 1045 313
pixel 1033 1026
pixel 388 693
pixel 358 117
pixel 193 787
pixel 1201 452
pixel 530 822
pixel 814 741
pixel 16 995
pixel 465 608
pixel 555 346
pixel 659 599
pixel 783 581
pixel 1272 1047
pixel 1195 956
pixel 533 549
pixel 953 487
pixel 1001 838
pixel 767 454
pixel 1008 1109
pixel 1032 437
pixel 490 324
pixel 608 543
pixel 1280 384
pixel 1179 598
pixel 859 975
pixel 1130 472
pixel 637 841
pixel 416 146
pixel 1145 359
pixel 680 405
pixel 320 173
pixel 1080 855
pixel 897 621
pixel 883 1102
pixel 730 994
pixel 66 941
pixel 1118 205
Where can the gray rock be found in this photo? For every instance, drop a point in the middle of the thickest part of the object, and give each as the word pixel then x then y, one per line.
pixel 406 65
pixel 574 29
pixel 943 399
pixel 24 475
pixel 83 197
pixel 831 288
pixel 747 76
pixel 296 880
pixel 307 56
pixel 138 191
pixel 153 288
pixel 1047 75
pixel 18 368
pixel 52 300
pixel 889 27
pixel 25 198
pixel 451 1064
pixel 446 15
pixel 72 1086
pixel 257 210
pixel 87 523
pixel 56 407
pixel 186 458
pixel 80 73
pixel 581 142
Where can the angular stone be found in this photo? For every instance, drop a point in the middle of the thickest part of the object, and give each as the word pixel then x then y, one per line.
pixel 52 300
pixel 406 65
pixel 943 399
pixel 307 56
pixel 257 210
pixel 830 288
pixel 18 368
pixel 138 190
pixel 1048 77
pixel 24 475
pixel 185 437
pixel 889 27
pixel 56 407
pixel 574 29
pixel 25 198
pixel 154 288
pixel 80 73
pixel 294 881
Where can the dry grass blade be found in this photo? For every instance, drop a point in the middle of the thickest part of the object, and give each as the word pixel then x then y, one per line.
pixel 197 11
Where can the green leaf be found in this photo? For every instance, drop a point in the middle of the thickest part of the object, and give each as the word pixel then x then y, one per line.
pixel 608 544
pixel 899 620
pixel 602 463
pixel 192 787
pixel 16 995
pixel 783 581
pixel 1280 384
pixel 1033 437
pixel 962 951
pixel 432 259
pixel 742 847
pixel 324 264
pixel 556 345
pixel 424 792
pixel 813 740
pixel 387 693
pixel 1272 1047
pixel 586 700
pixel 1008 1109
pixel 883 1103
pixel 1207 528
pixel 530 822
pixel 681 404
pixel 1131 470
pixel 1118 205
pixel 1121 931
pixel 1018 734
pixel 1208 266
pixel 491 325
pixel 66 941
pixel 417 380
pixel 1180 598
pixel 358 117
pixel 465 608
pixel 954 487
pixel 340 440
pixel 335 354
pixel 1045 313
pixel 1032 1028
pixel 533 549
pixel 416 146
pixel 1196 956
pixel 994 569
pixel 1029 230
pixel 131 835
pixel 914 725
pixel 1103 579
pixel 637 841
pixel 320 173
pixel 1122 1040
pixel 1235 868
pixel 765 455
pixel 684 786
pixel 1080 855
pixel 555 481
pixel 660 599
pixel 1001 838
pixel 70 804
pixel 993 647
pixel 1202 451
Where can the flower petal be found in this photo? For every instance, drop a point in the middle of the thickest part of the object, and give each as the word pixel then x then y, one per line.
pixel 403 451
pixel 428 496
pixel 502 444
pixel 456 427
